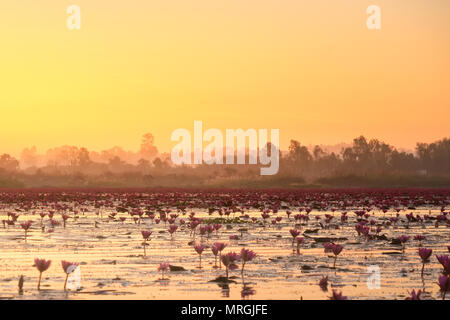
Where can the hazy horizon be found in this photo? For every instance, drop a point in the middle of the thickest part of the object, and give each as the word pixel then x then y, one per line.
pixel 327 147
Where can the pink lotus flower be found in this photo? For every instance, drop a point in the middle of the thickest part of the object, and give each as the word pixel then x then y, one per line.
pixel 172 229
pixel 425 254
pixel 444 284
pixel 163 267
pixel 299 241
pixel 209 229
pixel 217 226
pixel 199 248
pixel 42 265
pixel 220 246
pixel 323 283
pixel 445 261
pixel 294 234
pixel 229 260
pixel 337 296
pixel 202 230
pixel 414 295
pixel 337 248
pixel 26 226
pixel 146 234
pixel 328 247
pixel 65 265
pixel 246 256
pixel 64 217
pixel 68 268
pixel 288 213
pixel 403 239
pixel 193 224
pixel 215 251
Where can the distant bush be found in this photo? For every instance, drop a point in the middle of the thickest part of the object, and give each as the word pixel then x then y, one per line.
pixel 389 180
pixel 6 182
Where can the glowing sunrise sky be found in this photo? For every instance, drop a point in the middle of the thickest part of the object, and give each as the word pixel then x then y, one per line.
pixel 308 67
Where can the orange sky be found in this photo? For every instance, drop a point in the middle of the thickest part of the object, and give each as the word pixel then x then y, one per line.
pixel 310 68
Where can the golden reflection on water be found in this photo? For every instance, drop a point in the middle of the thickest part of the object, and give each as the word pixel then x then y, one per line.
pixel 113 267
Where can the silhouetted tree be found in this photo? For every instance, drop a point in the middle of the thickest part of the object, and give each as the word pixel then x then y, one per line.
pixel 148 150
pixel 299 157
pixel 8 163
pixel 435 157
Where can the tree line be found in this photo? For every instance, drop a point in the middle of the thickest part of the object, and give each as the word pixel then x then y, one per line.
pixel 374 159
pixel 369 157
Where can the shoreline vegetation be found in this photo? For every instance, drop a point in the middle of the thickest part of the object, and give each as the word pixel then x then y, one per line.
pixel 364 164
pixel 392 181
